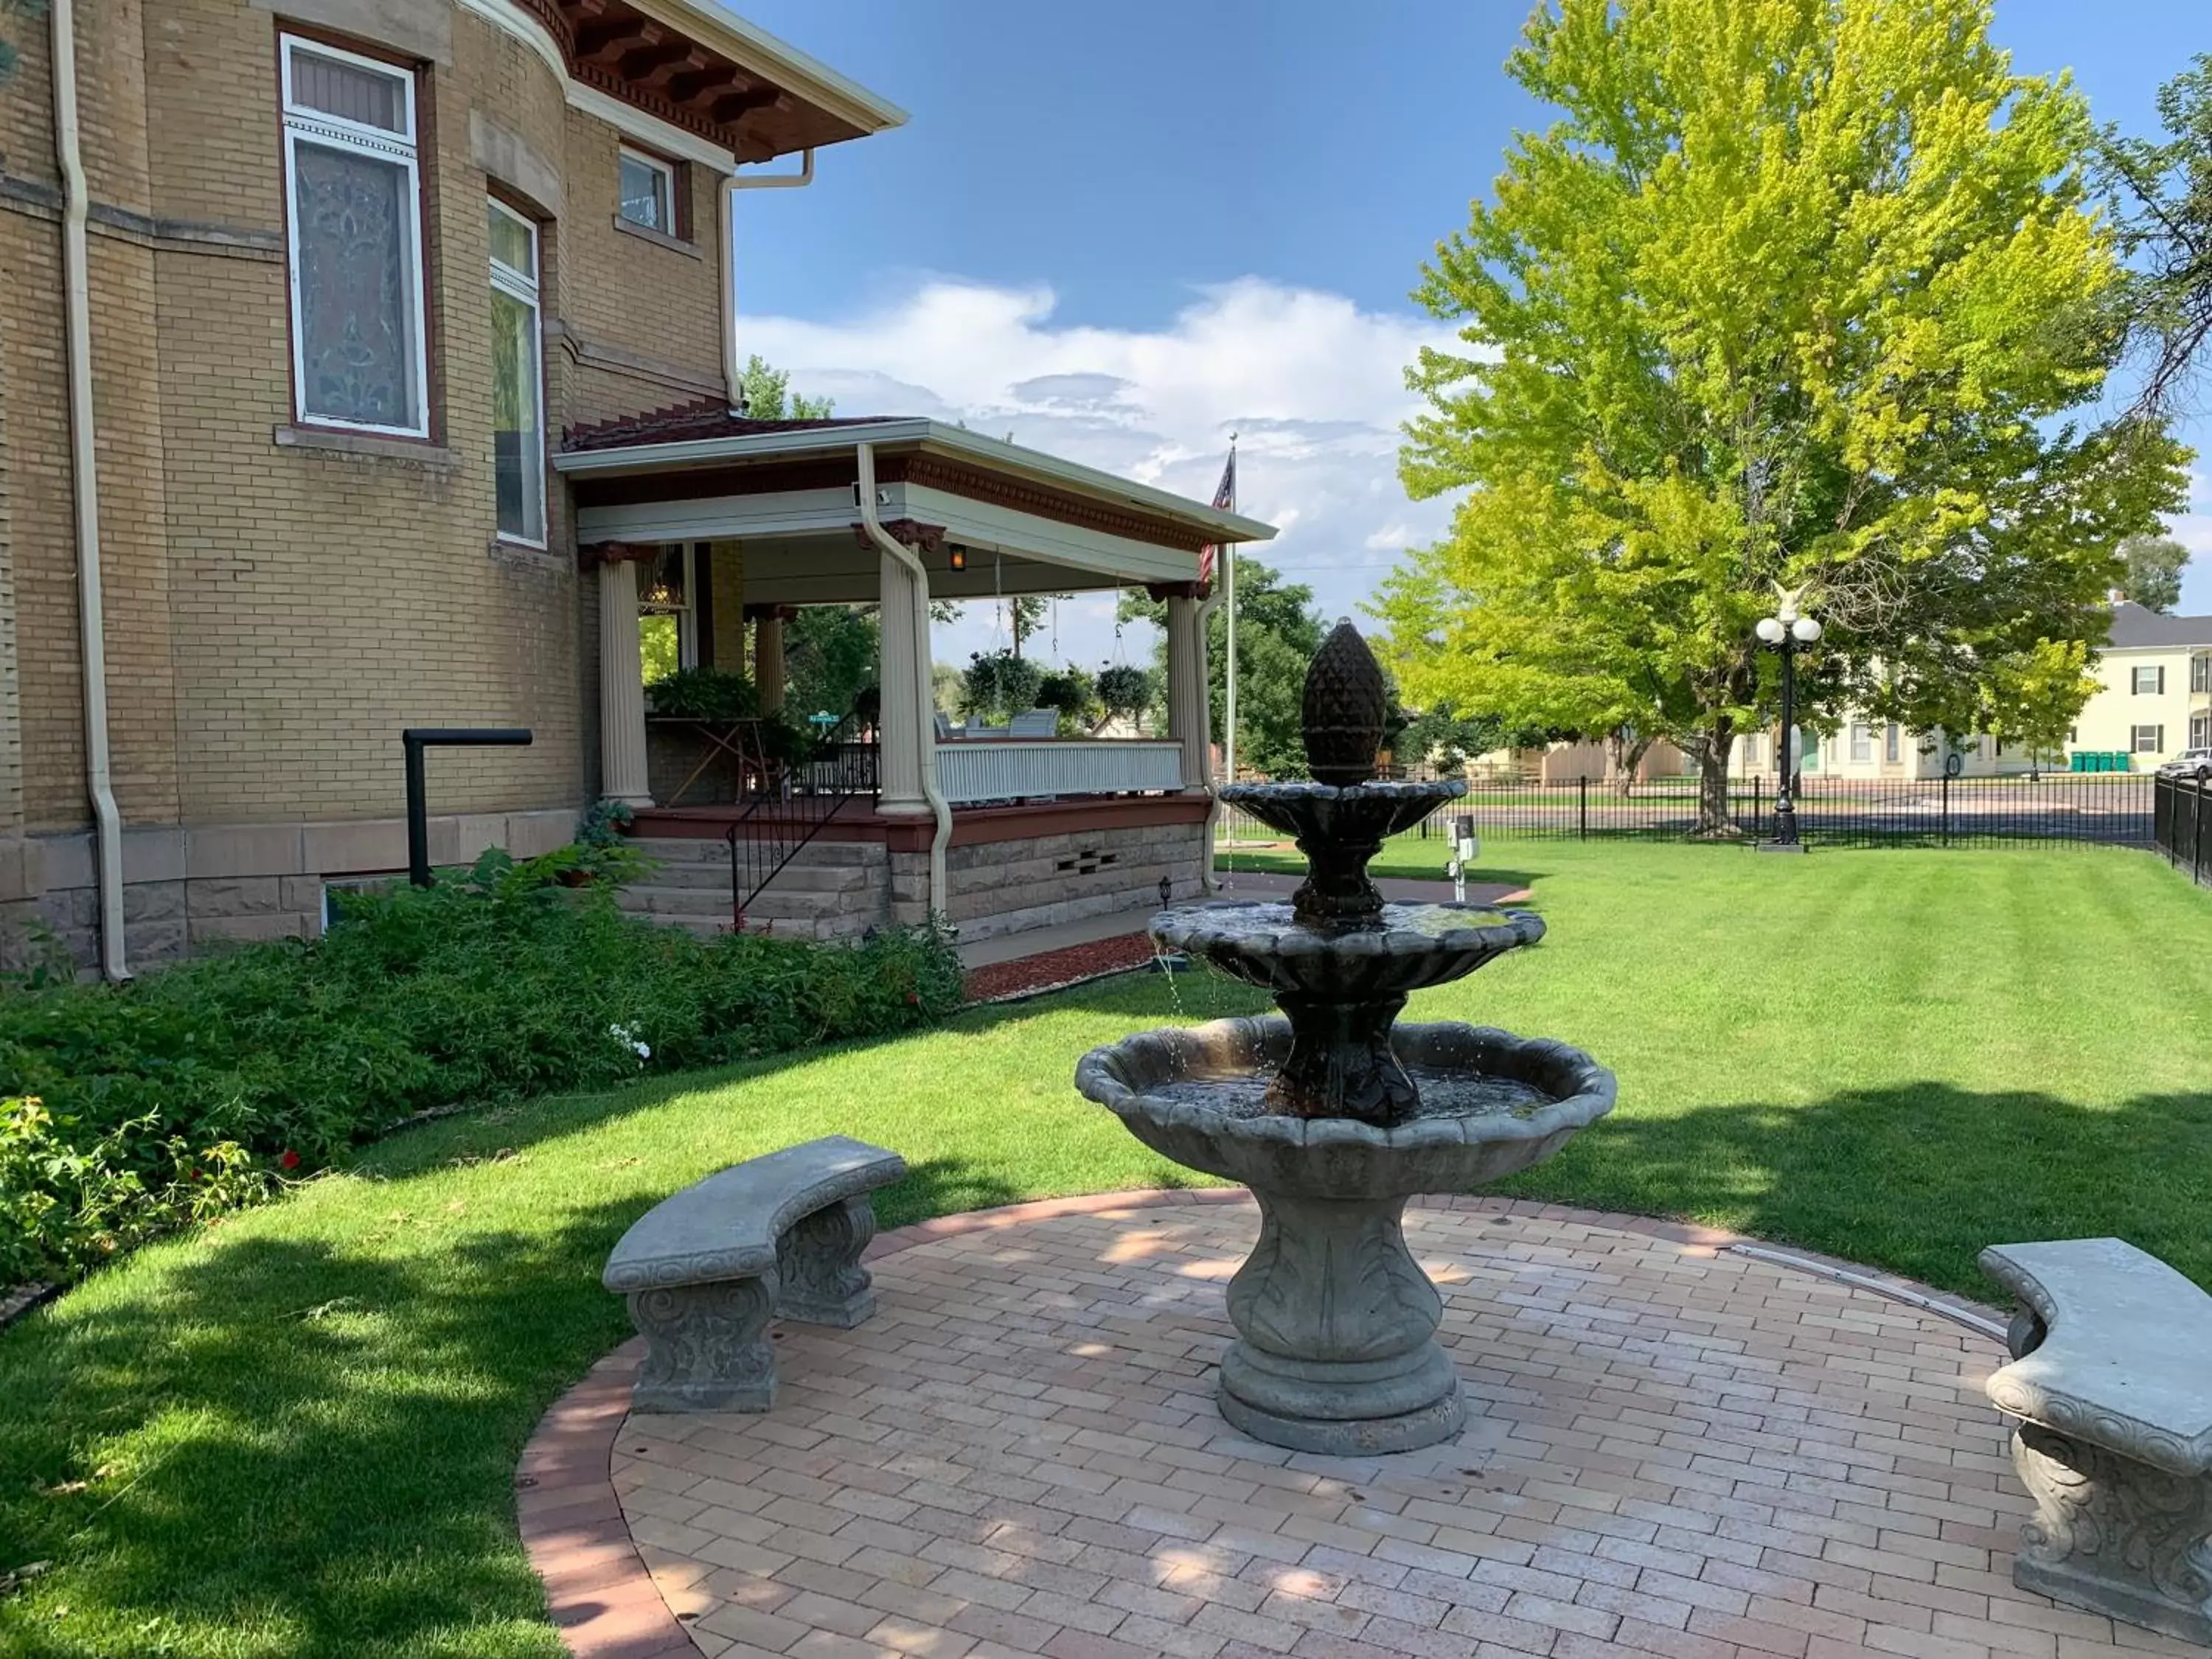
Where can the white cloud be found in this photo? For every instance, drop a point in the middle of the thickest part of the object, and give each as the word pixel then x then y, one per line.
pixel 1313 385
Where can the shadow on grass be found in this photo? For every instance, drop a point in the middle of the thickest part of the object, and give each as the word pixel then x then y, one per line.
pixel 1916 1177
pixel 319 1442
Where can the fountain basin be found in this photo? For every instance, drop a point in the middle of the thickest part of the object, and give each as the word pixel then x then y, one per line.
pixel 1336 1351
pixel 1407 948
pixel 1195 1095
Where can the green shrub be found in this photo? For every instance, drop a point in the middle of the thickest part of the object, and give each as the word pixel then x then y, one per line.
pixel 997 685
pixel 704 693
pixel 132 1109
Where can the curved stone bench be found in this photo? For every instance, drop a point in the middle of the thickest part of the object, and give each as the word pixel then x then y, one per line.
pixel 705 1269
pixel 2111 1379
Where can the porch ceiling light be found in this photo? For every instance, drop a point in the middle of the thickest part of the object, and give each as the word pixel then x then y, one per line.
pixel 958 557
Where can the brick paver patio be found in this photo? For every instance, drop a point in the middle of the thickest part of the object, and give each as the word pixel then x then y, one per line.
pixel 1674 1449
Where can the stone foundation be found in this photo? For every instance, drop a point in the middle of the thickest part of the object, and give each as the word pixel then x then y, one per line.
pixel 184 890
pixel 841 888
pixel 1012 886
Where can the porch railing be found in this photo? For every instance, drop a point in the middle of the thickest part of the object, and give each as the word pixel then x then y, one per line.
pixel 789 809
pixel 970 771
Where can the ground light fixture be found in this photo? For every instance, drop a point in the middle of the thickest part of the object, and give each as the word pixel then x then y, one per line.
pixel 1788 632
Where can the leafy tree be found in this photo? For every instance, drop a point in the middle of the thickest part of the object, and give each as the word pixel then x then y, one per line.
pixel 1278 631
pixel 768 395
pixel 1438 736
pixel 2167 235
pixel 830 658
pixel 945 681
pixel 1794 291
pixel 2154 565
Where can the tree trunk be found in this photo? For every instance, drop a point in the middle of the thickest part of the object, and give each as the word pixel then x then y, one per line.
pixel 1623 753
pixel 1714 821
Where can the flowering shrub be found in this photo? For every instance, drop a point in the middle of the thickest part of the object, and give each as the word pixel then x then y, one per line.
pixel 131 1109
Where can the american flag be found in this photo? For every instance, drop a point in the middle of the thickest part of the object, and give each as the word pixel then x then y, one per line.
pixel 1225 501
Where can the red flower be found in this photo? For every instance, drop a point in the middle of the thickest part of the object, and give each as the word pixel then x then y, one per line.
pixel 913 997
pixel 290 1160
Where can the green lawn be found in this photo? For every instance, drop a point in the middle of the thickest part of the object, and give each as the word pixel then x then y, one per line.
pixel 294 1433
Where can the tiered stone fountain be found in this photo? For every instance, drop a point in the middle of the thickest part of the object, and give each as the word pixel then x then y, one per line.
pixel 1331 1114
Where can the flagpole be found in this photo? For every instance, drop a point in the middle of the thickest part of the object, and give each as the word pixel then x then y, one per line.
pixel 1229 604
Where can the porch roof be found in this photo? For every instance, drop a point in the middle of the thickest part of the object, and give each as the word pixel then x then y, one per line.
pixel 1017 519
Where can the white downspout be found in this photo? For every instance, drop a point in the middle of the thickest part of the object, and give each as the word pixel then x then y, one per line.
pixel 77 284
pixel 1208 881
pixel 925 701
pixel 732 370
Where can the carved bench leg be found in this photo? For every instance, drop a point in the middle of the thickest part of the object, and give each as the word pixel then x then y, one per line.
pixel 2114 1535
pixel 818 1262
pixel 707 1347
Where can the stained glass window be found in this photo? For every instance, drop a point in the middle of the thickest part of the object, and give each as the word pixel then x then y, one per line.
pixel 357 350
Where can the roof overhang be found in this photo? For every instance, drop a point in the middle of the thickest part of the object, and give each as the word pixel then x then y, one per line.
pixel 727 458
pixel 1016 520
pixel 709 85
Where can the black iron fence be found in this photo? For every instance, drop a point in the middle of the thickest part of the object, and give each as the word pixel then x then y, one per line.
pixel 2181 824
pixel 2099 808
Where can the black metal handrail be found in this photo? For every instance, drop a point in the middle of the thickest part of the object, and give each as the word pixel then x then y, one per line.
pixel 791 808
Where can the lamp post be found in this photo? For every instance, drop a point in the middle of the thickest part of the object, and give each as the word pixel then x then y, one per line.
pixel 1787 632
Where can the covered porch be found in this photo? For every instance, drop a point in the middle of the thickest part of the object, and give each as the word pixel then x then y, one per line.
pixel 771 517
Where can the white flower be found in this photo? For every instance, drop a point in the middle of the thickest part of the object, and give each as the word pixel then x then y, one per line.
pixel 643 1051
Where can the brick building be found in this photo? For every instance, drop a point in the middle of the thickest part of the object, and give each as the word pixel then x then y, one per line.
pixel 292 462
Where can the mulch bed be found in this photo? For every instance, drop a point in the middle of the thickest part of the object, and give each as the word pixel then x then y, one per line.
pixel 1054 970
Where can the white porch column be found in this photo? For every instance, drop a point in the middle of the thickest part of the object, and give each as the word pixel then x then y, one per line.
pixel 622 688
pixel 1189 708
pixel 768 659
pixel 899 758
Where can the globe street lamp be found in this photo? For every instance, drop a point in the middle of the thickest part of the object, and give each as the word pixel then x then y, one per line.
pixel 1787 632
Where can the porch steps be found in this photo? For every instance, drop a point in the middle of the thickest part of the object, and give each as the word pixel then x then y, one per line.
pixel 825 892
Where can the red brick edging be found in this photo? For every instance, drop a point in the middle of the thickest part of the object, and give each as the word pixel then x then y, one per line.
pixel 604 1602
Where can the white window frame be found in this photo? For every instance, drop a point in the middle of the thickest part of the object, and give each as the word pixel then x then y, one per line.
pixel 686 614
pixel 2157 686
pixel 516 286
pixel 1861 745
pixel 1892 746
pixel 336 132
pixel 666 169
pixel 2200 730
pixel 2156 746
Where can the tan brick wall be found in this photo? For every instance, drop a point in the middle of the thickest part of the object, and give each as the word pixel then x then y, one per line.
pixel 277 613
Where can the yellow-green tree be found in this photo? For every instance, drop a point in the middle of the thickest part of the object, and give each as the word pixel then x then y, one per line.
pixel 1791 290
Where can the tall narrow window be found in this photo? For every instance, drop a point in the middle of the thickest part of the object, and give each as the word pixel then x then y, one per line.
pixel 354 221
pixel 517 420
pixel 648 192
pixel 667 632
pixel 1890 746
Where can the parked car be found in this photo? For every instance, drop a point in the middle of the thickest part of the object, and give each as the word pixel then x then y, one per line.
pixel 2189 763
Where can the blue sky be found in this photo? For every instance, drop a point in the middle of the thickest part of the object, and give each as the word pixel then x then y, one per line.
pixel 1122 232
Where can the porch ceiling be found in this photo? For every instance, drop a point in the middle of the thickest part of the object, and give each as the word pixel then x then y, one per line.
pixel 832 568
pixel 1027 522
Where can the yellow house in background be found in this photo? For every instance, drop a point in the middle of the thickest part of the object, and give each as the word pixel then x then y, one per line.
pixel 2154 700
pixel 2156 696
